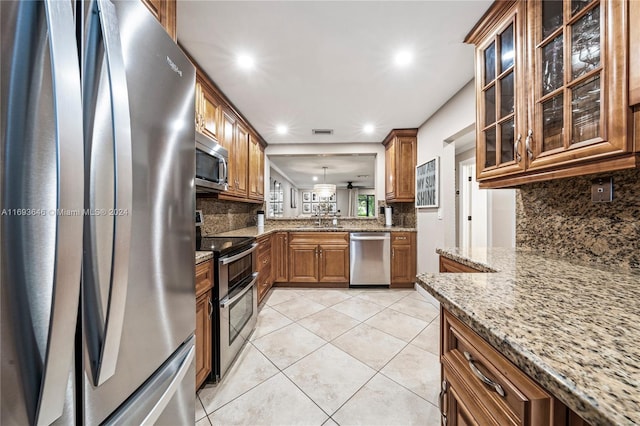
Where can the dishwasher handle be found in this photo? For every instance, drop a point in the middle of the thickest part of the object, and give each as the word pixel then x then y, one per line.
pixel 370 238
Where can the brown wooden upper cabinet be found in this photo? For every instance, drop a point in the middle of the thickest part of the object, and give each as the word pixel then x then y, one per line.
pixel 400 165
pixel 165 13
pixel 208 108
pixel 634 56
pixel 551 92
pixel 216 118
pixel 256 168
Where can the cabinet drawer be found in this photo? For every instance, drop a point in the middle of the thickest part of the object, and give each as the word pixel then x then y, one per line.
pixel 401 238
pixel 513 398
pixel 264 281
pixel 264 245
pixel 319 238
pixel 204 277
pixel 448 265
pixel 264 261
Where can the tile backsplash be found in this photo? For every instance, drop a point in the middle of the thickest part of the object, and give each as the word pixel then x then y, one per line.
pixel 558 217
pixel 222 216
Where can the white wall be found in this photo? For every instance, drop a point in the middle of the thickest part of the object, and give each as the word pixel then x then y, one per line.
pixel 502 217
pixel 285 186
pixel 345 148
pixel 457 114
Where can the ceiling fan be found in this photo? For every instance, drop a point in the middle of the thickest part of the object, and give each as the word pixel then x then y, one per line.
pixel 350 185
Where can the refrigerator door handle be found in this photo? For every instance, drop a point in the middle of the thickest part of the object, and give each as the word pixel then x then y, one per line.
pixel 162 403
pixel 68 251
pixel 105 346
pixel 148 403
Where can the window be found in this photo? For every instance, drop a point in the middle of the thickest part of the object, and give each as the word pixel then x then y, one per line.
pixel 366 205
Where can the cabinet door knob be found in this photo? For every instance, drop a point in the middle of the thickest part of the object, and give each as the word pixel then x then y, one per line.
pixel 482 377
pixel 527 144
pixel 516 148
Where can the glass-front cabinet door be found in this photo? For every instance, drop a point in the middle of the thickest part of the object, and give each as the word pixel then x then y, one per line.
pixel 578 73
pixel 500 90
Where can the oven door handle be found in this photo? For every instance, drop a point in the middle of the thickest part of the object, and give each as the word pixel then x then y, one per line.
pixel 228 259
pixel 227 301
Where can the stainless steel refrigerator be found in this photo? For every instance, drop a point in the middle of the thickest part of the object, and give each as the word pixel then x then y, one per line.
pixel 97 225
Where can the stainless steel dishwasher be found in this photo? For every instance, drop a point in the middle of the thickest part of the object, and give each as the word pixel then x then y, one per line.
pixel 370 259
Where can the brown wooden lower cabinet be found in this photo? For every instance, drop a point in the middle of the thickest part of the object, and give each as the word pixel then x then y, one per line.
pixel 448 265
pixel 265 269
pixel 280 258
pixel 403 259
pixel 481 387
pixel 204 312
pixel 319 257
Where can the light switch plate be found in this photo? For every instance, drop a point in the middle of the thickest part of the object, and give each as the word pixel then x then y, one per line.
pixel 602 190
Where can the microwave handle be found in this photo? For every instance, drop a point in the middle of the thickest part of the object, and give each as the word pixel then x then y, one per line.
pixel 224 175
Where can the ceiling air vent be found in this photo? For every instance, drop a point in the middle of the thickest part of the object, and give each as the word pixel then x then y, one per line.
pixel 322 131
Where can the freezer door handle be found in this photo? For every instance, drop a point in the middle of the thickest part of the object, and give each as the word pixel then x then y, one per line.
pixel 68 235
pixel 162 403
pixel 148 403
pixel 104 326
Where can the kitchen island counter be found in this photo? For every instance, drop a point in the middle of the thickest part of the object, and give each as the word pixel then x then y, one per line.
pixel 203 256
pixel 572 327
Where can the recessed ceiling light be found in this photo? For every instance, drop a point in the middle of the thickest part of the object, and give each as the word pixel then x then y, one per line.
pixel 245 62
pixel 403 58
pixel 315 178
pixel 282 129
pixel 368 128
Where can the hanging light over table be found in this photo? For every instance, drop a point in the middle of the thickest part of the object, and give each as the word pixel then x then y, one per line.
pixel 324 189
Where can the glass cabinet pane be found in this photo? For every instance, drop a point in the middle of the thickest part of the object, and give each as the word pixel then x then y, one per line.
pixel 507 53
pixel 490 105
pixel 490 64
pixel 490 147
pixel 507 98
pixel 585 109
pixel 578 5
pixel 552 123
pixel 552 66
pixel 585 43
pixel 507 140
pixel 551 16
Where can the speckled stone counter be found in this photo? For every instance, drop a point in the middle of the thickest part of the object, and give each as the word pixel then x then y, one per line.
pixel 574 328
pixel 202 256
pixel 257 232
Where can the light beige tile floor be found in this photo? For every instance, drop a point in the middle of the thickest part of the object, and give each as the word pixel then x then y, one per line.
pixel 333 357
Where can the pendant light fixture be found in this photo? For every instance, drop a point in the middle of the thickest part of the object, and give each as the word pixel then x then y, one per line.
pixel 324 189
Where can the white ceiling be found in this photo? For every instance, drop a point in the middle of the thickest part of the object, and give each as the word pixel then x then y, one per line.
pixel 300 169
pixel 329 64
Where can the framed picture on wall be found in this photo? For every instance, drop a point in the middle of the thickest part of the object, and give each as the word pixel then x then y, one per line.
pixel 306 197
pixel 427 184
pixel 314 197
pixel 333 208
pixel 333 197
pixel 314 208
pixel 306 208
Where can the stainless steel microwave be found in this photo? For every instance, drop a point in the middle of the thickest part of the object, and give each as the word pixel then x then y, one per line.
pixel 211 165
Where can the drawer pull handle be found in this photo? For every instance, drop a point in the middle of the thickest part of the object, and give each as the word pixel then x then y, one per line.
pixel 487 381
pixel 441 397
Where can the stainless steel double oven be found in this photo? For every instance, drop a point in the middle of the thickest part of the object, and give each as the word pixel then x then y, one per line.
pixel 236 296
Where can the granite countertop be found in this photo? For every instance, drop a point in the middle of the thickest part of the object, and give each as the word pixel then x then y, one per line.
pixel 254 231
pixel 572 327
pixel 202 256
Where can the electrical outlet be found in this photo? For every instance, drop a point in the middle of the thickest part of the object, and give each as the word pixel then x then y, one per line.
pixel 602 190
